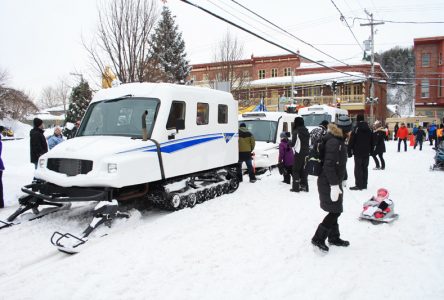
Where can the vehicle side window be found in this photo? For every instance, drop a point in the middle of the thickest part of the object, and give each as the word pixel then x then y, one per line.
pixel 177 112
pixel 285 129
pixel 222 114
pixel 203 111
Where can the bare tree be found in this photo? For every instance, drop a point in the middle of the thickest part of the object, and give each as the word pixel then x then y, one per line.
pixel 123 38
pixel 4 76
pixel 15 104
pixel 49 98
pixel 229 51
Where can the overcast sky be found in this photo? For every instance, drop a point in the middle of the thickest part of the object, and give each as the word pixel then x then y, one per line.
pixel 41 39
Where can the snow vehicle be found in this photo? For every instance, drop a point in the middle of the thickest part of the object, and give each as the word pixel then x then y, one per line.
pixel 315 114
pixel 379 209
pixel 138 143
pixel 266 128
pixel 439 158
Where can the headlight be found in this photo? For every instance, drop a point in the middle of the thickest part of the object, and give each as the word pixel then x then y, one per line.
pixel 42 163
pixel 112 168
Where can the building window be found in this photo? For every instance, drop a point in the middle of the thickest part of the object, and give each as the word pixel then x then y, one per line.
pixel 261 74
pixel 347 89
pixel 246 74
pixel 274 72
pixel 357 89
pixel 206 77
pixel 287 72
pixel 203 111
pixel 425 60
pixel 440 59
pixel 440 87
pixel 425 88
pixel 288 92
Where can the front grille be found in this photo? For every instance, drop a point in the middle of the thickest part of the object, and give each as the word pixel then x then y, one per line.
pixel 70 167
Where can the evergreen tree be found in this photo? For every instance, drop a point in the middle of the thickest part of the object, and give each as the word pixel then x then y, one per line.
pixel 79 100
pixel 399 63
pixel 168 54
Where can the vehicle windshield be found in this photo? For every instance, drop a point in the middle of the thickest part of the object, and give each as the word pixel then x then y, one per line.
pixel 315 119
pixel 121 117
pixel 262 130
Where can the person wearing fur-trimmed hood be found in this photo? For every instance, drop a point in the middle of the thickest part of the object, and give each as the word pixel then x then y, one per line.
pixel 330 184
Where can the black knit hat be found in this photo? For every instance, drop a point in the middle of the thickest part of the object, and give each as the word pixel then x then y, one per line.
pixel 242 125
pixel 360 118
pixel 344 123
pixel 298 122
pixel 37 122
pixel 324 123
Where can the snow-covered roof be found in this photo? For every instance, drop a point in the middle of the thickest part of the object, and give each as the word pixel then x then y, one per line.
pixel 45 116
pixel 55 108
pixel 333 64
pixel 312 78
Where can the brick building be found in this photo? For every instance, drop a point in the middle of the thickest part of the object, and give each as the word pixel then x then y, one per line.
pixel 429 69
pixel 283 79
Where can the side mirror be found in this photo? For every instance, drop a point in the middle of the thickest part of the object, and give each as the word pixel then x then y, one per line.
pixel 180 124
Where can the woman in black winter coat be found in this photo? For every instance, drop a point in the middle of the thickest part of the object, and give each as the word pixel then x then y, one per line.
pixel 378 145
pixel 38 145
pixel 330 184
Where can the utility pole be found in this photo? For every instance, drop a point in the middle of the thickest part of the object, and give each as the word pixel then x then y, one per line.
pixel 372 61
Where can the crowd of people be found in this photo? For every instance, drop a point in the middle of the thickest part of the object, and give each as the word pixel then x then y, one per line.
pixel 340 141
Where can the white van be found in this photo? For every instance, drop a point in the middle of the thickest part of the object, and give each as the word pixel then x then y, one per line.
pixel 266 128
pixel 315 114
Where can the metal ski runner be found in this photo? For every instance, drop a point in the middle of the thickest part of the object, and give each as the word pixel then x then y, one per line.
pixel 33 204
pixel 104 213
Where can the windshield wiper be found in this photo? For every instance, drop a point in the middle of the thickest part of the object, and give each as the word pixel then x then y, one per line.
pixel 119 98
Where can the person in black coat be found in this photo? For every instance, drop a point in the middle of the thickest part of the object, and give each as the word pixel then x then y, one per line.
pixel 360 146
pixel 300 142
pixel 395 131
pixel 330 184
pixel 38 145
pixel 378 145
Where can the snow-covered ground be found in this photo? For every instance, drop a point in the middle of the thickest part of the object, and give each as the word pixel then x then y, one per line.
pixel 252 244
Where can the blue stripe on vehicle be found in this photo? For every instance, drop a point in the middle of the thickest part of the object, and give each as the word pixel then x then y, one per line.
pixel 172 146
pixel 183 145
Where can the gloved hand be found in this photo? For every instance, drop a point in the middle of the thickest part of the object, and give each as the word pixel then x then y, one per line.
pixel 335 191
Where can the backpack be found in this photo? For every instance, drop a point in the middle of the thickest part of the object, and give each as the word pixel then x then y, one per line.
pixel 315 158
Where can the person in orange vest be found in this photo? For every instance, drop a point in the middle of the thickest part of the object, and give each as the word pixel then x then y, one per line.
pixel 402 135
pixel 439 133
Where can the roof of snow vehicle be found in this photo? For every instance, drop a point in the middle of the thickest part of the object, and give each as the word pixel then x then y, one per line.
pixel 160 90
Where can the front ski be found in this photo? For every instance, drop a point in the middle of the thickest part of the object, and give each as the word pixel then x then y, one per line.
pixel 36 214
pixel 376 221
pixel 104 213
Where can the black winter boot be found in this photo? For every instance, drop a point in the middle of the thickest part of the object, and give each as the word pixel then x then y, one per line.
pixel 304 187
pixel 334 237
pixel 296 186
pixel 319 237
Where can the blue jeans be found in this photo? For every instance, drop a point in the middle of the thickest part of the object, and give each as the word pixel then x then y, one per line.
pixel 249 163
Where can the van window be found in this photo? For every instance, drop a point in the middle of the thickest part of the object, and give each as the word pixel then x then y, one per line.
pixel 285 129
pixel 177 112
pixel 203 111
pixel 222 114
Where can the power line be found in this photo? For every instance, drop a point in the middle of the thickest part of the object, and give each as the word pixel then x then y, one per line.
pixel 264 39
pixel 345 20
pixel 405 22
pixel 290 34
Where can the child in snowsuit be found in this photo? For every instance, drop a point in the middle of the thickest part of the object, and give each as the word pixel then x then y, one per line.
pixel 286 157
pixel 380 206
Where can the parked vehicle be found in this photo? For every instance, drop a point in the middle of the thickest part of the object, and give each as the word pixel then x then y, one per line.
pixel 266 128
pixel 315 114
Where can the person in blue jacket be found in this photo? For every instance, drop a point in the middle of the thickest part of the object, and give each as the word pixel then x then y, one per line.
pixel 55 139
